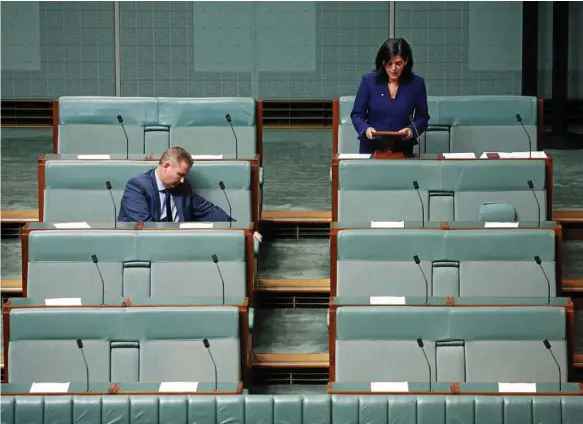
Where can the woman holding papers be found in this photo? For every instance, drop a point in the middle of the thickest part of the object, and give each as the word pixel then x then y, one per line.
pixel 392 98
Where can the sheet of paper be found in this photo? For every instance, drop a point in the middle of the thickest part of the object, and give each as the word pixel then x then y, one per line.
pixel 389 386
pixel 71 225
pixel 49 387
pixel 354 156
pixel 517 387
pixel 201 157
pixel 196 225
pixel 63 301
pixel 93 157
pixel 387 300
pixel 459 155
pixel 526 155
pixel 178 386
pixel 500 224
pixel 387 224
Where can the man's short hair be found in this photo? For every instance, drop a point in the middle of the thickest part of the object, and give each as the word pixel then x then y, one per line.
pixel 176 155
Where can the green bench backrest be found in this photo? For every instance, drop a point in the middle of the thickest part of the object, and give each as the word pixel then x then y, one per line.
pixel 88 125
pixel 460 190
pixel 136 264
pixel 142 344
pixel 292 409
pixel 465 344
pixel 75 189
pixel 464 263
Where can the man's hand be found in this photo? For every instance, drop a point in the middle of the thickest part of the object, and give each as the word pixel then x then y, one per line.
pixel 369 132
pixel 257 236
pixel 407 132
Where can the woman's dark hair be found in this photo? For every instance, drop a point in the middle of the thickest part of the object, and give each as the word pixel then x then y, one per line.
pixel 390 48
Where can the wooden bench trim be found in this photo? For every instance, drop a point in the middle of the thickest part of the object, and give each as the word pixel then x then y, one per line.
pixel 19 216
pixel 297 216
pixel 287 285
pixel 295 360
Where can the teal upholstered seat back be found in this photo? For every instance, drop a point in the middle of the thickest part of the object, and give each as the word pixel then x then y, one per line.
pixel 136 264
pixel 89 125
pixel 458 190
pixel 75 189
pixel 465 344
pixel 464 263
pixel 147 344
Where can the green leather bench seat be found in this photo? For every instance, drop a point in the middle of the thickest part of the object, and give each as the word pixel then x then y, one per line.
pixel 459 263
pixel 464 344
pixel 460 124
pixel 88 125
pixel 136 263
pixel 292 409
pixel 145 344
pixel 75 190
pixel 460 190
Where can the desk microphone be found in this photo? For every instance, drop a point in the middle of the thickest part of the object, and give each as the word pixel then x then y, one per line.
pixel 108 187
pixel 416 187
pixel 418 262
pixel 216 261
pixel 539 263
pixel 531 186
pixel 120 120
pixel 208 348
pixel 548 346
pixel 228 118
pixel 412 120
pixel 222 187
pixel 519 119
pixel 421 346
pixel 96 262
pixel 80 346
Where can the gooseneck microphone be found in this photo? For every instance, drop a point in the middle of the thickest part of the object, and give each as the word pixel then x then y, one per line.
pixel 421 346
pixel 120 120
pixel 80 346
pixel 222 187
pixel 548 346
pixel 412 120
pixel 539 263
pixel 216 261
pixel 519 119
pixel 531 186
pixel 228 118
pixel 108 187
pixel 208 348
pixel 96 262
pixel 416 187
pixel 418 262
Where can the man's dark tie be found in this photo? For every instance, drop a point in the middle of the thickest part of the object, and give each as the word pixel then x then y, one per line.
pixel 169 217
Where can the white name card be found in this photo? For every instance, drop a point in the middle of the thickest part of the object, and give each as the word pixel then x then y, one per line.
pixel 389 386
pixel 63 301
pixel 517 387
pixel 387 300
pixel 500 224
pixel 459 155
pixel 517 155
pixel 178 386
pixel 71 225
pixel 201 157
pixel 387 224
pixel 197 225
pixel 49 387
pixel 93 157
pixel 354 156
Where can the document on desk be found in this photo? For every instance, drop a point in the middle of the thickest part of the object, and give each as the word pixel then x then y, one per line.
pixel 71 225
pixel 179 386
pixel 49 387
pixel 517 387
pixel 389 386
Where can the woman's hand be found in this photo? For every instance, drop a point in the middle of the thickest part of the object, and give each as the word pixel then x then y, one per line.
pixel 369 132
pixel 408 132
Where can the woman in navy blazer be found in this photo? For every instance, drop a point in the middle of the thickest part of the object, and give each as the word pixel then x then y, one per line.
pixel 391 99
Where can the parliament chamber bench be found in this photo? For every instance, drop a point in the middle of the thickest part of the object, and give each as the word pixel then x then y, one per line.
pixel 73 189
pixel 293 409
pixel 133 343
pixel 460 124
pixel 149 260
pixel 503 190
pixel 466 344
pixel 445 259
pixel 90 125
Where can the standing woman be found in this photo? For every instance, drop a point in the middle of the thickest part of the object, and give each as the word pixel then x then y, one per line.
pixel 388 97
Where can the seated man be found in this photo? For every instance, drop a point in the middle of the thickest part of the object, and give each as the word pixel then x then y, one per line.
pixel 164 194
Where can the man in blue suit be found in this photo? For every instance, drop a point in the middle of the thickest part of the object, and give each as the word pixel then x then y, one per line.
pixel 164 194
